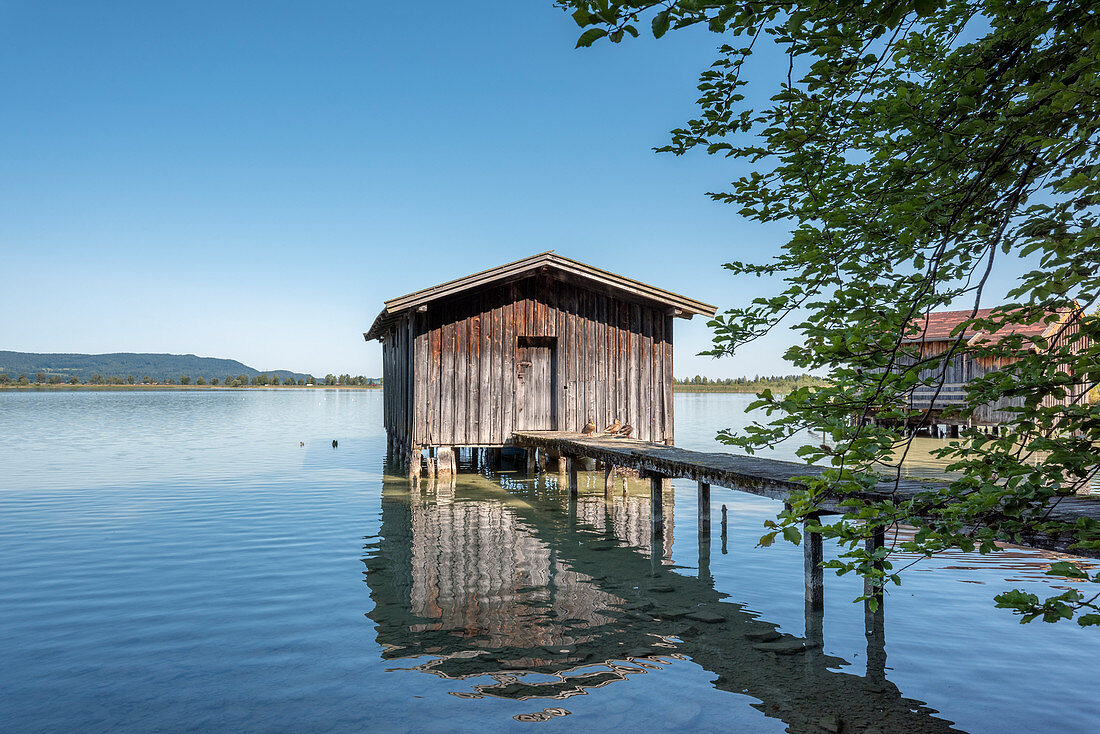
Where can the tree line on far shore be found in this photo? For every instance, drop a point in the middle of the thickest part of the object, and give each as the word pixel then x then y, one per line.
pixel 775 383
pixel 261 380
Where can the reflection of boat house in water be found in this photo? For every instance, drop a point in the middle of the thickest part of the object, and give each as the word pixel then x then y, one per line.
pixel 939 333
pixel 502 590
pixel 543 343
pixel 476 571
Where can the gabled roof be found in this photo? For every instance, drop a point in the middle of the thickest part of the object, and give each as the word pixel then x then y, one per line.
pixel 681 305
pixel 939 326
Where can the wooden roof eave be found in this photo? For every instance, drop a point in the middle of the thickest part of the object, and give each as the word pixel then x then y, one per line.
pixel 680 306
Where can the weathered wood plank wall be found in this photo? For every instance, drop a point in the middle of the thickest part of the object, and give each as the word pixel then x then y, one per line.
pixel 537 350
pixel 961 370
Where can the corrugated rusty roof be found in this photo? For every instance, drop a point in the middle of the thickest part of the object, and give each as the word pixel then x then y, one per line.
pixel 941 326
pixel 682 305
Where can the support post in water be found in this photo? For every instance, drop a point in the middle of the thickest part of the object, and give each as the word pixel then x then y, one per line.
pixel 430 462
pixel 815 582
pixel 704 532
pixel 704 509
pixel 724 530
pixel 445 460
pixel 573 460
pixel 608 480
pixel 656 504
pixel 815 587
pixel 532 460
pixel 874 620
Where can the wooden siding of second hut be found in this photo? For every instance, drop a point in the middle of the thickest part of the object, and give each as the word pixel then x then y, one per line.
pixel 613 360
pixel 961 370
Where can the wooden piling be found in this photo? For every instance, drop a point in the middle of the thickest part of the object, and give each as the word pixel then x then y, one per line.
pixel 608 480
pixel 430 463
pixel 723 530
pixel 563 464
pixel 813 557
pixel 874 614
pixel 704 508
pixel 412 461
pixel 704 532
pixel 445 460
pixel 656 504
pixel 573 477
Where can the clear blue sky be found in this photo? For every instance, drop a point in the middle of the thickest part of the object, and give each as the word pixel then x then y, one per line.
pixel 252 180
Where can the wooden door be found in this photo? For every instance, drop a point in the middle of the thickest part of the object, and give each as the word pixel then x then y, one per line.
pixel 536 384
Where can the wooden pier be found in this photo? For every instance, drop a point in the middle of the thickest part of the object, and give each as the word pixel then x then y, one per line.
pixel 765 477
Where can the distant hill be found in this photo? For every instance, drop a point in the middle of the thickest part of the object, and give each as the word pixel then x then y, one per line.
pixel 157 366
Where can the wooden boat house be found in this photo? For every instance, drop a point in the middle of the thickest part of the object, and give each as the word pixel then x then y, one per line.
pixel 940 330
pixel 543 343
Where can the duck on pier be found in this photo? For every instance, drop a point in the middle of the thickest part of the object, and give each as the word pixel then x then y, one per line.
pixel 589 427
pixel 625 431
pixel 614 427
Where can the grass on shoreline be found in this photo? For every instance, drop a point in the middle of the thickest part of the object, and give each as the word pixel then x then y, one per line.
pixel 716 388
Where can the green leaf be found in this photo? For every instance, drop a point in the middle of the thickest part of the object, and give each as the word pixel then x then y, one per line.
pixel 590 36
pixel 1066 570
pixel 660 23
pixel 791 534
pixel 925 8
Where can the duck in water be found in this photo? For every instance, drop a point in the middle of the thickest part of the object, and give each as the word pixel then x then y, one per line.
pixel 334 443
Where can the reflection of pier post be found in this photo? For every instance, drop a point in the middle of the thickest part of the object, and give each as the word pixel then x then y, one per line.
pixel 656 505
pixel 609 516
pixel 874 615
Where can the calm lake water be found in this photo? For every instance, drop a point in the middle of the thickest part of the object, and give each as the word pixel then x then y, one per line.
pixel 176 561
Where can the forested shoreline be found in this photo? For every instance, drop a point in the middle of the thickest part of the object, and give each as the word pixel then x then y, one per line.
pixel 775 383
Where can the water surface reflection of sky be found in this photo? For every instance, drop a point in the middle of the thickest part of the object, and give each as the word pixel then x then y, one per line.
pixel 176 562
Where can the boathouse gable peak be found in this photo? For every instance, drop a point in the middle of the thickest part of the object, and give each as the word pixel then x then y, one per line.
pixel 552 265
pixel 544 343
